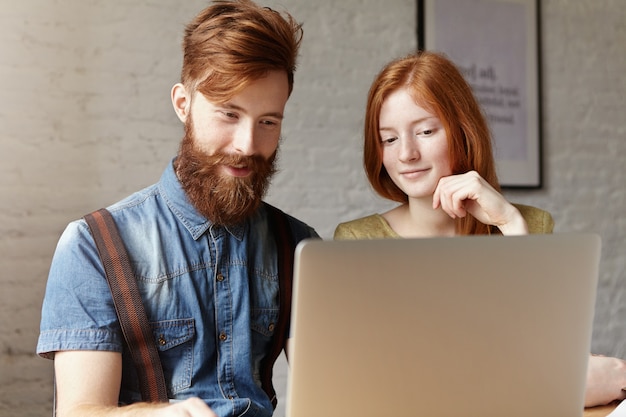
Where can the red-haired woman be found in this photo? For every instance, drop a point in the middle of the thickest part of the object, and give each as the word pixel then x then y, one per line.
pixel 428 147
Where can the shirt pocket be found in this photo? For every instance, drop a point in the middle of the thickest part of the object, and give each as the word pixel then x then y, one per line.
pixel 174 340
pixel 263 326
pixel 264 321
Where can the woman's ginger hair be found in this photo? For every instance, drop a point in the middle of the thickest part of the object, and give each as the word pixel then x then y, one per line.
pixel 234 42
pixel 436 84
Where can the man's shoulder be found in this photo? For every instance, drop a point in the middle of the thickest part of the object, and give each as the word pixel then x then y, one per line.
pixel 138 217
pixel 134 200
pixel 299 229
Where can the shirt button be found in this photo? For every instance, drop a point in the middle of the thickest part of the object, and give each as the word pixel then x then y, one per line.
pixel 220 277
pixel 223 337
pixel 271 327
pixel 162 340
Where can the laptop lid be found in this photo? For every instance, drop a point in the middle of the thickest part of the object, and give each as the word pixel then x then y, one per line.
pixel 465 326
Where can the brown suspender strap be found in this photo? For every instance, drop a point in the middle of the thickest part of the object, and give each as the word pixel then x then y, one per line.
pixel 128 305
pixel 285 247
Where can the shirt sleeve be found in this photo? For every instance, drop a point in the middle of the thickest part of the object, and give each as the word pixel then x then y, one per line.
pixel 78 311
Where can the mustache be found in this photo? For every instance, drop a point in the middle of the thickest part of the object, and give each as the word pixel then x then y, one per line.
pixel 205 163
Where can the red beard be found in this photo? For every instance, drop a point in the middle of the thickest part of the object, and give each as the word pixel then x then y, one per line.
pixel 223 199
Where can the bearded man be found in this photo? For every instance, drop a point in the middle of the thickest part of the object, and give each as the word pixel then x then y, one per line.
pixel 201 245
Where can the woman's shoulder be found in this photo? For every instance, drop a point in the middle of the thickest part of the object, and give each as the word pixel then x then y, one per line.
pixel 538 220
pixel 373 226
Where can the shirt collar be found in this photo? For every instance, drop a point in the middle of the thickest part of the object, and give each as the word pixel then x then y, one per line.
pixel 176 199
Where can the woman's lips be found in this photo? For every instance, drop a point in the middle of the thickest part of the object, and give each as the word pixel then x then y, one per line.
pixel 414 173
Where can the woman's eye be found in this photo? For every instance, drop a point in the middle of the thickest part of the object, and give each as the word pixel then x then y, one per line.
pixel 388 141
pixel 426 132
pixel 230 115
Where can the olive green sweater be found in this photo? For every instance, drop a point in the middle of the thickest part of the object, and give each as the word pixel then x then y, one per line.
pixel 376 227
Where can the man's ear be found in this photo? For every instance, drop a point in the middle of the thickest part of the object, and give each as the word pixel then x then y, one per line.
pixel 181 101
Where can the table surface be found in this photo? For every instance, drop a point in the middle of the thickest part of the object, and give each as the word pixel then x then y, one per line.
pixel 602 411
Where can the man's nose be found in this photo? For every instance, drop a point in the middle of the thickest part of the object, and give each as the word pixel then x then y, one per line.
pixel 243 142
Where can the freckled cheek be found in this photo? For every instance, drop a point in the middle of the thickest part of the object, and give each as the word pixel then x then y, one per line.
pixel 443 159
pixel 389 157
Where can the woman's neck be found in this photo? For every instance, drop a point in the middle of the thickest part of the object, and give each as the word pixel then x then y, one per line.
pixel 417 218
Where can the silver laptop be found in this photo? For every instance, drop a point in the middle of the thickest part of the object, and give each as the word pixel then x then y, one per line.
pixel 467 326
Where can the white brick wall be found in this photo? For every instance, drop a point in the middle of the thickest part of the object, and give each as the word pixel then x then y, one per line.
pixel 584 104
pixel 85 119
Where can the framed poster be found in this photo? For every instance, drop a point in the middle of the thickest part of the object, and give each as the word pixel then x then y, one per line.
pixel 495 43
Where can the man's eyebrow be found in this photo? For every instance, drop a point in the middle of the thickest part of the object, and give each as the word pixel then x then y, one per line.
pixel 233 106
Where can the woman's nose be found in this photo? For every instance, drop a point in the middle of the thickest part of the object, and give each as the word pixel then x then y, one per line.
pixel 408 149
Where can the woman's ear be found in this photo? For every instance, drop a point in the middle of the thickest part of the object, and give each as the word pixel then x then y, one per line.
pixel 181 101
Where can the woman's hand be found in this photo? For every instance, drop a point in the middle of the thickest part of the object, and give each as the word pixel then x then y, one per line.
pixel 460 194
pixel 606 378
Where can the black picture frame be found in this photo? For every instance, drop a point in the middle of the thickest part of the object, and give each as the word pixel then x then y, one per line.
pixel 496 44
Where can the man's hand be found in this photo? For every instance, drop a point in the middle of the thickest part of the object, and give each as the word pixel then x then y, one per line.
pixel 606 376
pixel 192 407
pixel 88 384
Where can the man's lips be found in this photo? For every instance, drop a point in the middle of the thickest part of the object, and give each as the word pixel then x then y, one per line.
pixel 236 171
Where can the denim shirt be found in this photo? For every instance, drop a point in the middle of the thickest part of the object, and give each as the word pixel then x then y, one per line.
pixel 210 293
